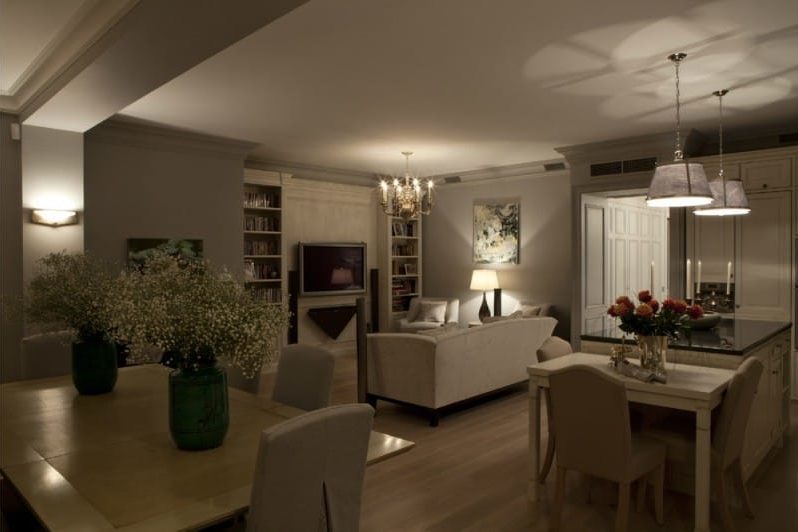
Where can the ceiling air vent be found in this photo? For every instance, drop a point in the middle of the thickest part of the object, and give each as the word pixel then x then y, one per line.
pixel 639 165
pixel 599 169
pixel 553 167
pixel 788 138
pixel 452 179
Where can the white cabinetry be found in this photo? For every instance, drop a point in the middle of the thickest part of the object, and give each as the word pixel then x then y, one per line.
pixel 767 174
pixel 400 267
pixel 764 259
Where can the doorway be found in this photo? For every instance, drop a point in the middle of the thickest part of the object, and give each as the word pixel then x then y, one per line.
pixel 624 251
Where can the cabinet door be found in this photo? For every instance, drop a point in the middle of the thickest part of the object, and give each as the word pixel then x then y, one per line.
pixel 714 246
pixel 766 175
pixel 763 286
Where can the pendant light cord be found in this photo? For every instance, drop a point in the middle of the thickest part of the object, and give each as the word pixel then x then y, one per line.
pixel 720 146
pixel 678 152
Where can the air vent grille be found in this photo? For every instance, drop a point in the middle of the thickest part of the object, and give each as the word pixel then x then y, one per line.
pixel 553 167
pixel 631 166
pixel 452 179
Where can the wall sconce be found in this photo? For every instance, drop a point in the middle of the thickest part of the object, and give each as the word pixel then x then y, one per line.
pixel 53 218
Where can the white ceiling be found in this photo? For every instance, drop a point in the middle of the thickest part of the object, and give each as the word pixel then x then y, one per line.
pixel 469 84
pixel 28 30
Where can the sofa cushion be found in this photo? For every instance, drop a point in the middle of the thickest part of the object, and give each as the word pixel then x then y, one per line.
pixel 438 332
pixel 529 311
pixel 514 316
pixel 418 326
pixel 434 311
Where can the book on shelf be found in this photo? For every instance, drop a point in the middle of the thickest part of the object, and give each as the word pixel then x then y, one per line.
pixel 261 199
pixel 268 295
pixel 254 222
pixel 261 247
pixel 258 271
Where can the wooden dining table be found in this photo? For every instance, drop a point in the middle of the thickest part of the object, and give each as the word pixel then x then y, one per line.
pixel 107 462
pixel 696 389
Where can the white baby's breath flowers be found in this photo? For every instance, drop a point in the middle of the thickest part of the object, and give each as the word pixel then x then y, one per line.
pixel 196 314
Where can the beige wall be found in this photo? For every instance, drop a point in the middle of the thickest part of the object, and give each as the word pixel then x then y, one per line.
pixel 143 182
pixel 52 178
pixel 544 273
pixel 10 247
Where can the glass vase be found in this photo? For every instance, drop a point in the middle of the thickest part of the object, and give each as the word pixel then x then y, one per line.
pixel 653 353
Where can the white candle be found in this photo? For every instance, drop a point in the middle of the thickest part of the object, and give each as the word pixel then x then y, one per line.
pixel 698 279
pixel 728 278
pixel 652 277
pixel 689 290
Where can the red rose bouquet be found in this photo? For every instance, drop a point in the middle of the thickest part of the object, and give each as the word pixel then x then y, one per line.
pixel 650 318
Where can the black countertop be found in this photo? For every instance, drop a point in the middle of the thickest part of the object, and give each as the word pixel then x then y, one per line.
pixel 730 337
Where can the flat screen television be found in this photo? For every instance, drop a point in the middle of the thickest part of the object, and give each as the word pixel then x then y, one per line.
pixel 332 268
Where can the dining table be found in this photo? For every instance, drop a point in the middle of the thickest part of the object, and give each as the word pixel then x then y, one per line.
pixel 691 388
pixel 107 462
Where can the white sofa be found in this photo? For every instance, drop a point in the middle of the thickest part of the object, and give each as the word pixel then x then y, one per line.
pixel 452 314
pixel 437 370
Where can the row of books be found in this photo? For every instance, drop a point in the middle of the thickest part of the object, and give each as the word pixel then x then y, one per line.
pixel 401 287
pixel 261 223
pixel 261 199
pixel 260 270
pixel 403 229
pixel 269 295
pixel 404 250
pixel 261 247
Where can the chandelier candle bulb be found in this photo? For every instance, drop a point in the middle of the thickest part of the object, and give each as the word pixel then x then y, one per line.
pixel 728 278
pixel 652 277
pixel 689 288
pixel 698 279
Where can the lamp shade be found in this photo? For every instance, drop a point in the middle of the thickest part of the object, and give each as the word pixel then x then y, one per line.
pixel 735 202
pixel 679 184
pixel 484 280
pixel 342 277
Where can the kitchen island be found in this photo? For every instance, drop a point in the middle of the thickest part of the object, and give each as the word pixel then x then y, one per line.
pixel 726 346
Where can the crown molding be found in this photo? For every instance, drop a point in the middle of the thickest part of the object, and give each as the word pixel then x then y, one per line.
pixel 507 172
pixel 659 145
pixel 130 132
pixel 314 173
pixel 66 49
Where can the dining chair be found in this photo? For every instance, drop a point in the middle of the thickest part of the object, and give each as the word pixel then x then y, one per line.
pixel 591 423
pixel 553 347
pixel 304 377
pixel 309 472
pixel 728 437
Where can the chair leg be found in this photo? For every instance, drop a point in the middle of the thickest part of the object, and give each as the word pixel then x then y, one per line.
pixel 739 481
pixel 544 471
pixel 659 492
pixel 728 523
pixel 622 517
pixel 559 496
pixel 642 482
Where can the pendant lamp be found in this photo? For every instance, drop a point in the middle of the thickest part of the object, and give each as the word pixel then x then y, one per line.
pixel 728 195
pixel 680 183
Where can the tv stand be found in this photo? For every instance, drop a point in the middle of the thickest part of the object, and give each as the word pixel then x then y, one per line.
pixel 332 320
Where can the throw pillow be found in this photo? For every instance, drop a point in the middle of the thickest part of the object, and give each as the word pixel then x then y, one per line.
pixel 438 332
pixel 434 311
pixel 529 311
pixel 514 316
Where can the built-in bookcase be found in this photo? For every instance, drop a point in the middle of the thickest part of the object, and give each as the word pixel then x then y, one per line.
pixel 400 267
pixel 263 258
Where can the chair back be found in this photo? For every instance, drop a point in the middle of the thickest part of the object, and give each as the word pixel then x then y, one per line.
pixel 553 347
pixel 309 472
pixel 728 433
pixel 304 377
pixel 591 421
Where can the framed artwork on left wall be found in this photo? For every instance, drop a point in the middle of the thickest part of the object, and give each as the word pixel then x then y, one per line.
pixel 496 231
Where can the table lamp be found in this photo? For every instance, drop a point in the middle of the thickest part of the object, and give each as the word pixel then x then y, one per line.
pixel 484 280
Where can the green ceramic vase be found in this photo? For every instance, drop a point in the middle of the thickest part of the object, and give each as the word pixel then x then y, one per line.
pixel 93 366
pixel 198 407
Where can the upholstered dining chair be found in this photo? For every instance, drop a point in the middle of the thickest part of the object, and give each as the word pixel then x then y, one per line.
pixel 728 437
pixel 309 472
pixel 553 347
pixel 304 377
pixel 591 421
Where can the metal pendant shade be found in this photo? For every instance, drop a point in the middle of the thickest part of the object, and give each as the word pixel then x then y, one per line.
pixel 728 195
pixel 680 183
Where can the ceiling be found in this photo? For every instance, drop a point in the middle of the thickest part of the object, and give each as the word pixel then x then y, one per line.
pixel 469 85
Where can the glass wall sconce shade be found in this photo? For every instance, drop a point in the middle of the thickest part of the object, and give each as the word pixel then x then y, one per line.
pixel 679 184
pixel 734 203
pixel 53 218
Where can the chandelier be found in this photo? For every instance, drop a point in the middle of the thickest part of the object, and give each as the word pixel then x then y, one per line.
pixel 406 197
pixel 678 184
pixel 728 195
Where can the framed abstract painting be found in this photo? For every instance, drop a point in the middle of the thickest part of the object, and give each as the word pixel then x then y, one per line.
pixel 496 227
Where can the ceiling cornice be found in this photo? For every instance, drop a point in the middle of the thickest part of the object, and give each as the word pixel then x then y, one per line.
pixel 523 170
pixel 316 173
pixel 67 48
pixel 135 133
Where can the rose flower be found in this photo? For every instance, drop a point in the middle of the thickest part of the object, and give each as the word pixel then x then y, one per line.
pixel 695 312
pixel 644 311
pixel 644 296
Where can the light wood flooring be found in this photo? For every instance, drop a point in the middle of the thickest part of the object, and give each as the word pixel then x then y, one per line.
pixel 470 473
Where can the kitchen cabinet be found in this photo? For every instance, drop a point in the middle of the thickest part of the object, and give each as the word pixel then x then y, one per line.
pixel 768 174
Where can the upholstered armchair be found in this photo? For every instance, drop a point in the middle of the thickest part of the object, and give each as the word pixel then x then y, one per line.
pixel 422 314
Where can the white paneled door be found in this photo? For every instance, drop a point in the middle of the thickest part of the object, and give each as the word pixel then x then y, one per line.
pixel 594 263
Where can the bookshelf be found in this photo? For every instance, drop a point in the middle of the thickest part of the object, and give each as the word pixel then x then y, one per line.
pixel 262 233
pixel 400 267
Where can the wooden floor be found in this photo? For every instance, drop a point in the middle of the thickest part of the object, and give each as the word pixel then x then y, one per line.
pixel 470 473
